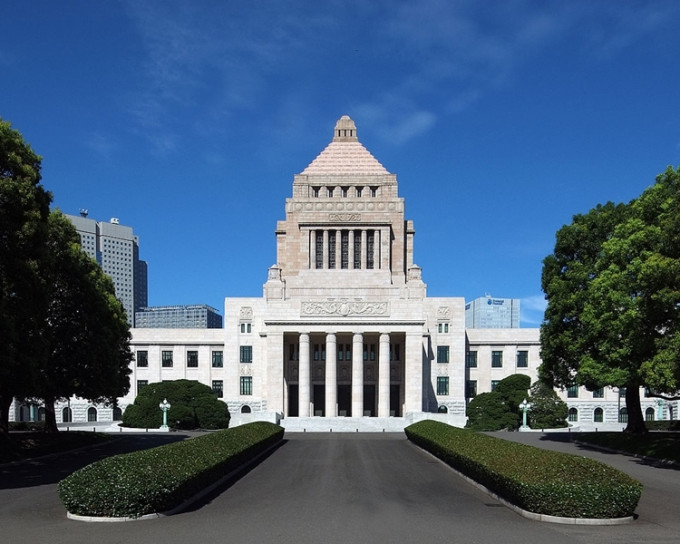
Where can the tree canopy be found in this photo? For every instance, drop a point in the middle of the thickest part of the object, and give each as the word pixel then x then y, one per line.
pixel 548 410
pixel 613 291
pixel 24 208
pixel 62 330
pixel 499 409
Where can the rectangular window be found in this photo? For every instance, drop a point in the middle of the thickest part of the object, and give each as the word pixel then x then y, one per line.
pixel 496 359
pixel 141 384
pixel 192 359
pixel 439 327
pixel 166 359
pixel 522 359
pixel 246 385
pixel 357 249
pixel 494 384
pixel 292 352
pixel 471 389
pixel 218 388
pixel 572 391
pixel 318 249
pixel 446 327
pixel 142 358
pixel 442 354
pixel 319 352
pixel 315 192
pixel 598 393
pixel 331 249
pixel 394 352
pixel 330 192
pixel 344 249
pixel 246 354
pixel 471 359
pixel 217 359
pixel 442 385
pixel 370 245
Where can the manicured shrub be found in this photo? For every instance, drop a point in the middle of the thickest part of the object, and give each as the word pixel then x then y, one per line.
pixel 193 405
pixel 500 408
pixel 159 479
pixel 537 480
pixel 548 411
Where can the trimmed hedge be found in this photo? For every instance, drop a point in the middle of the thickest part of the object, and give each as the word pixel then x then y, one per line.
pixel 537 480
pixel 159 479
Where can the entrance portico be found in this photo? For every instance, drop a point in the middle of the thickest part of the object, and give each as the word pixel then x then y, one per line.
pixel 344 373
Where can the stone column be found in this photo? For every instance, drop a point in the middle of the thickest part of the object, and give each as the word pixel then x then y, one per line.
pixel 331 375
pixel 304 376
pixel 325 250
pixel 384 376
pixel 312 249
pixel 413 372
pixel 338 249
pixel 385 248
pixel 357 375
pixel 364 249
pixel 350 249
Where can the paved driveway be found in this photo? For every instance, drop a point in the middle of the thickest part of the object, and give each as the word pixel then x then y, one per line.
pixel 315 488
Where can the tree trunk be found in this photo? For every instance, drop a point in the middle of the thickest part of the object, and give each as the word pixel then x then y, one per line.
pixel 5 403
pixel 50 417
pixel 636 423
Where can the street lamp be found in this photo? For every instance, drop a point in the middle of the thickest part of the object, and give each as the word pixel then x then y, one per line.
pixel 525 407
pixel 165 406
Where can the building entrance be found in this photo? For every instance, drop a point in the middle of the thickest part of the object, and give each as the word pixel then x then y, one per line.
pixel 319 400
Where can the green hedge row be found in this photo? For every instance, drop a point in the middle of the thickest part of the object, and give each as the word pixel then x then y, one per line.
pixel 159 479
pixel 537 480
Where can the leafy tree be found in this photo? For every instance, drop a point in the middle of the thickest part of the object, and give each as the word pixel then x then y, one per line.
pixel 193 405
pixel 548 411
pixel 85 335
pixel 613 290
pixel 24 208
pixel 500 408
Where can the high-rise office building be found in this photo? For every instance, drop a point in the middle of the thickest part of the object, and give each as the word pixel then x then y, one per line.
pixel 492 313
pixel 116 249
pixel 193 316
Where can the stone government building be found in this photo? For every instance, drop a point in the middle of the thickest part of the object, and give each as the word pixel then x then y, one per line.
pixel 345 336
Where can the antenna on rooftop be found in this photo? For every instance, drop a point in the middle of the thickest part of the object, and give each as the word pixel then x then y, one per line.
pixel 83 212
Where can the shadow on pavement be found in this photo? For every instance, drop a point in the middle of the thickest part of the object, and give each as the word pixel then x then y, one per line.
pixel 54 468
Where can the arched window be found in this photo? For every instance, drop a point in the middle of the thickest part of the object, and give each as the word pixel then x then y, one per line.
pixel 573 414
pixel 92 414
pixel 117 414
pixel 623 415
pixel 66 415
pixel 649 414
pixel 598 415
pixel 245 409
pixel 443 409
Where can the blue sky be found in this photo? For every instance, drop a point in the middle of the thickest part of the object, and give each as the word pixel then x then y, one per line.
pixel 187 120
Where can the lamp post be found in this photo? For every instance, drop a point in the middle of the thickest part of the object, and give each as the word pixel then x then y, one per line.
pixel 525 407
pixel 165 406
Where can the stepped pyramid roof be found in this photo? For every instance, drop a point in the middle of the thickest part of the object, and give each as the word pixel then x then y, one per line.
pixel 345 155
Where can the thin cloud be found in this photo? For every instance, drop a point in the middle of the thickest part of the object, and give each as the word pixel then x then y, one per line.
pixel 532 309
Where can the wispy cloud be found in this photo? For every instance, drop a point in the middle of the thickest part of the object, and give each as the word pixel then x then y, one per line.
pixel 532 309
pixel 404 65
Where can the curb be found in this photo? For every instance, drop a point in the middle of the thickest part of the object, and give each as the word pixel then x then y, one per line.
pixel 183 506
pixel 526 513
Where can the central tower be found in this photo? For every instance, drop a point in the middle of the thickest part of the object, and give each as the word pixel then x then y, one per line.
pixel 344 232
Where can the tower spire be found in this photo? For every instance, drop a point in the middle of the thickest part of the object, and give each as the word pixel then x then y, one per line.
pixel 345 130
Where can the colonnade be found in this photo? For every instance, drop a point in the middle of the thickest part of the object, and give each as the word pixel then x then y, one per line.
pixel 331 383
pixel 347 249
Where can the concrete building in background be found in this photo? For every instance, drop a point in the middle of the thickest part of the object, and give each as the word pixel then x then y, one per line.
pixel 492 313
pixel 116 248
pixel 194 316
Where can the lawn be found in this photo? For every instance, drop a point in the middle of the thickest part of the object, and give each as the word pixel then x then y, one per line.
pixel 25 445
pixel 658 445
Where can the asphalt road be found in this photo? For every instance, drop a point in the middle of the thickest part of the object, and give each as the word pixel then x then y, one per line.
pixel 315 488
